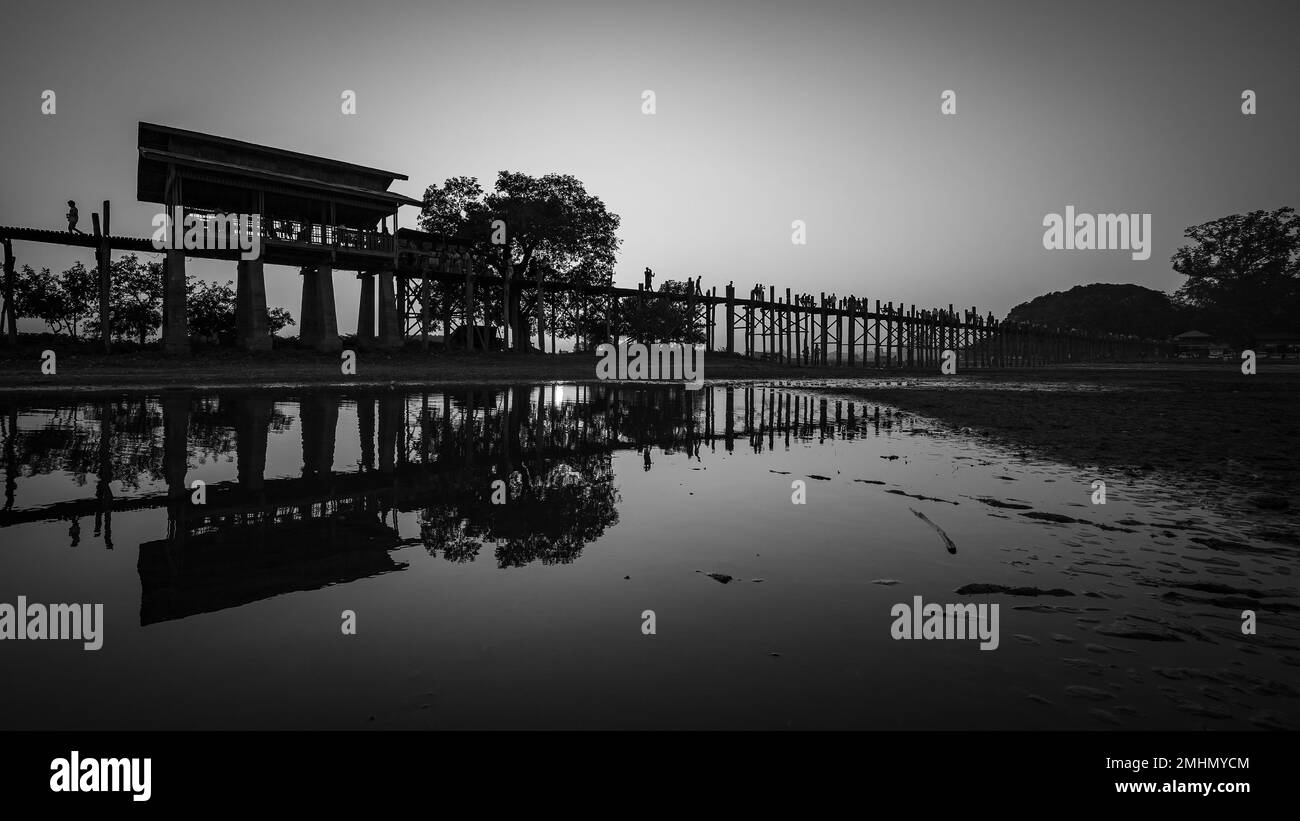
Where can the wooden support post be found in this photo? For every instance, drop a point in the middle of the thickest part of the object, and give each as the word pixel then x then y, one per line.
pixel 105 283
pixel 839 335
pixel 690 309
pixel 731 317
pixel 911 336
pixel 11 315
pixel 796 320
pixel 713 304
pixel 447 291
pixel 875 340
pixel 823 359
pixel 954 329
pixel 890 331
pixel 851 305
pixel 770 343
pixel 426 315
pixel 789 317
pixel 749 324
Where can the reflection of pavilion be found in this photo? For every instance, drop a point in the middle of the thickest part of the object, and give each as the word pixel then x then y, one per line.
pixel 230 566
pixel 433 454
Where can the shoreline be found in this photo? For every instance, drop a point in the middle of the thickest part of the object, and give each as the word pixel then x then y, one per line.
pixel 81 373
pixel 1220 434
pixel 1137 418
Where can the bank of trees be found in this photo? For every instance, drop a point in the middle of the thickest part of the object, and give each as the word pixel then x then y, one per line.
pixel 1243 274
pixel 1112 308
pixel 1242 282
pixel 68 302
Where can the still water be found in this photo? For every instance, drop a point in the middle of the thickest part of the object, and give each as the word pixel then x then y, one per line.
pixel 615 500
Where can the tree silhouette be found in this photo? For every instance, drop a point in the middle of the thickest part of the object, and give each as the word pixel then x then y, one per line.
pixel 135 298
pixel 64 302
pixel 552 225
pixel 1243 273
pixel 653 319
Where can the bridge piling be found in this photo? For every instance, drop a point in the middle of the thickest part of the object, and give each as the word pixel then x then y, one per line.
pixel 251 331
pixel 175 323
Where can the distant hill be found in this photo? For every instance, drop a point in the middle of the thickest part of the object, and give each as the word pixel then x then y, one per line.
pixel 1106 308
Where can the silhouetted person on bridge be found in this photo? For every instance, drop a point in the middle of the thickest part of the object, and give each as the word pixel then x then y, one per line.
pixel 72 219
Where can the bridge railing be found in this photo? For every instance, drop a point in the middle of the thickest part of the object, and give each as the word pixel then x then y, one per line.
pixel 322 235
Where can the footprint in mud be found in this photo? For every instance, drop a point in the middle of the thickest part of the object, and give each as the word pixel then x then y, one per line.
pixel 1205 710
pixel 1089 693
pixel 1092 668
pixel 1104 717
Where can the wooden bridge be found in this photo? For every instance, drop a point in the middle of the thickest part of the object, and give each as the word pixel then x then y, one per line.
pixel 320 215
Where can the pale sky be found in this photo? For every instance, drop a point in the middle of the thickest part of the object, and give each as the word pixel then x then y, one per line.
pixel 766 113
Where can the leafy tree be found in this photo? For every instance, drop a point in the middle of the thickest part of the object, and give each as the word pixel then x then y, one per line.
pixel 33 293
pixel 552 225
pixel 277 319
pixel 211 310
pixel 62 302
pixel 1243 273
pixel 135 298
pixel 80 290
pixel 653 319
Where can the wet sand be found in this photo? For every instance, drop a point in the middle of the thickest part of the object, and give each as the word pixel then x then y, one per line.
pixel 1209 428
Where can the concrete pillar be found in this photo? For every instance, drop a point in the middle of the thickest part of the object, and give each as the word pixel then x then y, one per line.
pixel 366 311
pixel 176 426
pixel 175 323
pixel 392 411
pixel 252 424
pixel 366 431
pixel 320 327
pixel 307 320
pixel 251 330
pixel 319 416
pixel 390 322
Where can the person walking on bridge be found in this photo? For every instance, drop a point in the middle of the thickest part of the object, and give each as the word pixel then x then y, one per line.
pixel 72 219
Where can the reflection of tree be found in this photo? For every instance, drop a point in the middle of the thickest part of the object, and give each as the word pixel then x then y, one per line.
pixel 558 514
pixel 549 516
pixel 443 527
pixel 120 437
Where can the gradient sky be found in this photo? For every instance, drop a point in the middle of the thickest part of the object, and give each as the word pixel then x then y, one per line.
pixel 767 113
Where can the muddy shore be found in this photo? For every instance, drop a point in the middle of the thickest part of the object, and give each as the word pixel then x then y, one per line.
pixel 1208 425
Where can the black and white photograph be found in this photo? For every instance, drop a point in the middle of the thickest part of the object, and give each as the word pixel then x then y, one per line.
pixel 670 387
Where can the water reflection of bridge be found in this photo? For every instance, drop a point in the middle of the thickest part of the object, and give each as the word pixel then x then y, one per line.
pixel 436 454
